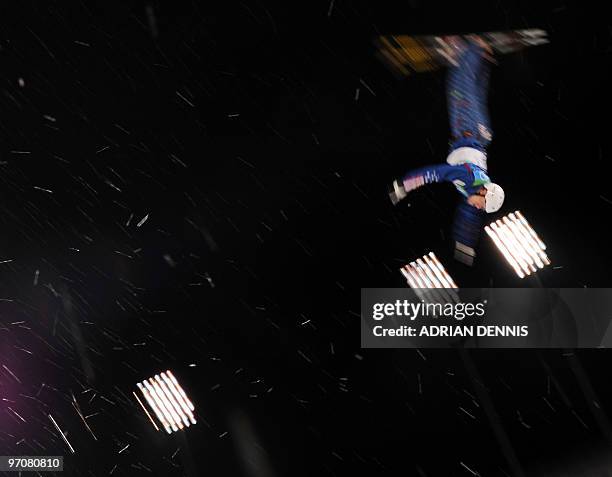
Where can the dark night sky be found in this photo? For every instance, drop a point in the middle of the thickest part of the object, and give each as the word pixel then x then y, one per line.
pixel 258 140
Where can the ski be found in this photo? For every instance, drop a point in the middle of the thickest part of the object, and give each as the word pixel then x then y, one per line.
pixel 405 54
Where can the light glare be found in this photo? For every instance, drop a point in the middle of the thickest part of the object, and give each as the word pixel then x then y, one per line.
pixel 519 244
pixel 168 401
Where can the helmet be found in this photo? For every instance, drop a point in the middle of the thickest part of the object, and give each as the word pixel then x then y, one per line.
pixel 494 198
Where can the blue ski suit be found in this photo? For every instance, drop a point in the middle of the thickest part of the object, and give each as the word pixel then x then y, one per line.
pixel 466 89
pixel 467 178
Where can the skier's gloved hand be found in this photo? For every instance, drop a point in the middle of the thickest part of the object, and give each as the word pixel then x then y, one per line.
pixel 397 191
pixel 400 187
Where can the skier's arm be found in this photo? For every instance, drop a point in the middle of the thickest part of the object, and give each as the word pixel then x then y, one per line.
pixel 460 175
pixel 467 226
pixel 435 173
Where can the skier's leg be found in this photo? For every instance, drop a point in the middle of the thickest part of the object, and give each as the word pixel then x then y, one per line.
pixel 483 75
pixel 466 100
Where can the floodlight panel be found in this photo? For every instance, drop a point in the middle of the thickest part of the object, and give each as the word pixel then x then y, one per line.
pixel 169 402
pixel 518 243
pixel 427 272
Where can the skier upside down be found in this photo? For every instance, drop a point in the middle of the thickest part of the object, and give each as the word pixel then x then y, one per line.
pixel 467 88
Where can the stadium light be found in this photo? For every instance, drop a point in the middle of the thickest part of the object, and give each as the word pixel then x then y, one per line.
pixel 427 272
pixel 430 280
pixel 518 243
pixel 168 400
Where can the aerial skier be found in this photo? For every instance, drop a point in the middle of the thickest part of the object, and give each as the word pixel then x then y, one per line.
pixel 466 165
